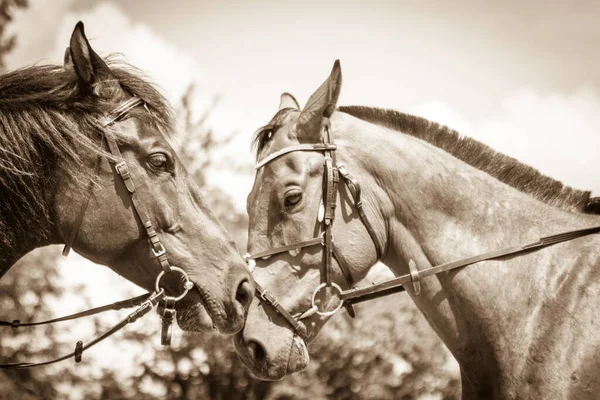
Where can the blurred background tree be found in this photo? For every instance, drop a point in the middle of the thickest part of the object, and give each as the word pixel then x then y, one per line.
pixel 385 353
pixel 7 43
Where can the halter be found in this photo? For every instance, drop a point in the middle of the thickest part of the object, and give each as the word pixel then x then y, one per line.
pixel 166 304
pixel 357 295
pixel 326 216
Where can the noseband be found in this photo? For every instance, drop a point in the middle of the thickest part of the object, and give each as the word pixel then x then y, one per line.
pixel 326 216
pixel 166 304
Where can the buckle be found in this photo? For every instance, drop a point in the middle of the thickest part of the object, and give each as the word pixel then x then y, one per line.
pixel 159 252
pixel 414 277
pixel 269 297
pixel 125 172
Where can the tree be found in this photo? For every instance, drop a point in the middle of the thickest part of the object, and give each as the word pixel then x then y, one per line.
pixel 7 43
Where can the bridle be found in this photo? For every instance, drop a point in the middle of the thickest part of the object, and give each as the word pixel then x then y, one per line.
pixel 325 217
pixel 347 298
pixel 166 304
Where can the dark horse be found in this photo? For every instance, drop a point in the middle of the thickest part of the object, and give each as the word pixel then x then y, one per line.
pixel 522 326
pixel 53 159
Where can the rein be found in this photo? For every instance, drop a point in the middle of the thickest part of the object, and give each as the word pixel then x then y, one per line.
pixel 353 295
pixel 358 295
pixel 147 301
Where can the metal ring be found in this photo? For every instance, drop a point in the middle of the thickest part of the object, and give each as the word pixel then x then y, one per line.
pixel 250 262
pixel 187 285
pixel 326 313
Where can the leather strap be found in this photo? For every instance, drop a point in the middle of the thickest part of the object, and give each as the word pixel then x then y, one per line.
pixel 121 111
pixel 396 284
pixel 132 302
pixel 347 275
pixel 331 178
pixel 283 249
pixel 343 266
pixel 299 147
pixel 355 191
pixel 268 297
pixel 113 117
pixel 144 308
pixel 122 171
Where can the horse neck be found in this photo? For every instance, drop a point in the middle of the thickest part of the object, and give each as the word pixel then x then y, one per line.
pixel 437 209
pixel 25 220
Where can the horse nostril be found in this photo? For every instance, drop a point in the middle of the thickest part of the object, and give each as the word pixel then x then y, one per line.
pixel 244 293
pixel 256 351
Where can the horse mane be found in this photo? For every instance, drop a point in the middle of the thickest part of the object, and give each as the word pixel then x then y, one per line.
pixel 46 116
pixel 504 168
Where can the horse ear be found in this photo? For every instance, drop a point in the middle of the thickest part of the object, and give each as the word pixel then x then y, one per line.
pixel 68 61
pixel 288 101
pixel 88 65
pixel 320 105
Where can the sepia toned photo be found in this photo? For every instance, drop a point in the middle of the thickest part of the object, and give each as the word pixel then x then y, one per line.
pixel 277 200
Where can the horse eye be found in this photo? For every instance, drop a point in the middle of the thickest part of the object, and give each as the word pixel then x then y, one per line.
pixel 292 199
pixel 158 160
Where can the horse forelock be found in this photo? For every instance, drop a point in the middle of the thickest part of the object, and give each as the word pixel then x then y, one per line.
pixel 46 116
pixel 263 135
pixel 504 168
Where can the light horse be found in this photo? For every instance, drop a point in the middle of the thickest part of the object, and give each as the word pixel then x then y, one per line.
pixel 85 161
pixel 414 194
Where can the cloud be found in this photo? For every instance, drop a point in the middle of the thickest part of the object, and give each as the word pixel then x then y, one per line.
pixel 110 30
pixel 35 28
pixel 557 134
pixel 172 69
pixel 443 113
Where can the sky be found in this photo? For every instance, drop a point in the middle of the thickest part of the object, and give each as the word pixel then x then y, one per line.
pixel 523 77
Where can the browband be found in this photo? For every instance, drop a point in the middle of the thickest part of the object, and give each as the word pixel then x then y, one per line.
pixel 121 110
pixel 298 147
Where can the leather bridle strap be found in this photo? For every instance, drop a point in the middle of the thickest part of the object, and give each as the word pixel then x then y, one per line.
pixel 330 251
pixel 355 191
pixel 283 249
pixel 396 284
pixel 132 302
pixel 331 179
pixel 122 170
pixel 113 117
pixel 269 298
pixel 144 308
pixel 298 147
